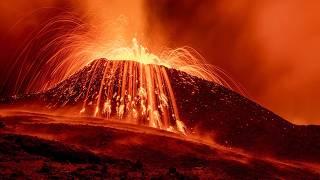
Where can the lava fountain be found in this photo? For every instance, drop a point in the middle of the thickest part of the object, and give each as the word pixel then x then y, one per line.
pixel 137 93
pixel 133 84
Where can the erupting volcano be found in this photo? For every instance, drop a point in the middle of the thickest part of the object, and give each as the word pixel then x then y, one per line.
pixel 132 87
pixel 125 112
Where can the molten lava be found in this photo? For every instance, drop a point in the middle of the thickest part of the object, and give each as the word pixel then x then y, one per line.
pixel 132 92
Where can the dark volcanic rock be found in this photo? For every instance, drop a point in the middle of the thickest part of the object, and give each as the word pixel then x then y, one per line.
pixel 17 161
pixel 2 125
pixel 237 121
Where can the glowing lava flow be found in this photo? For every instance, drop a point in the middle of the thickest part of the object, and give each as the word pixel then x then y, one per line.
pixel 132 92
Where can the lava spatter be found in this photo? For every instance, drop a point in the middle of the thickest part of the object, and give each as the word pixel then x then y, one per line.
pixel 127 91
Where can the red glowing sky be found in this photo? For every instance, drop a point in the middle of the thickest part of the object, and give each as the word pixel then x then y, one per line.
pixel 270 47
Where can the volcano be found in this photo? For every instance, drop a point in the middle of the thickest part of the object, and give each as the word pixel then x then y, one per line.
pixel 145 120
